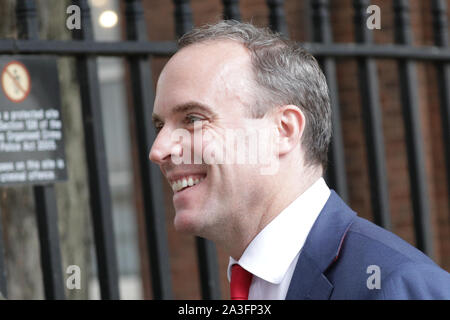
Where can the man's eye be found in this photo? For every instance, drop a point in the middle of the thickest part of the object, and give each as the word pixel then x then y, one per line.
pixel 158 127
pixel 190 119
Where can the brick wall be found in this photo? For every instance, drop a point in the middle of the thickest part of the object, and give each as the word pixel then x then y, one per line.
pixel 160 21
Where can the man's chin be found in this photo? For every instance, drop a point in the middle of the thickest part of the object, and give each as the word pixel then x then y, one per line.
pixel 186 221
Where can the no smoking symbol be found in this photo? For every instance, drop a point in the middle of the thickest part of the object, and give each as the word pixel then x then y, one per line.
pixel 16 81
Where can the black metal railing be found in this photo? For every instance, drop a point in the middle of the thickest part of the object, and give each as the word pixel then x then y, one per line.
pixel 137 49
pixel 336 173
pixel 141 79
pixel 99 189
pixel 44 195
pixel 370 96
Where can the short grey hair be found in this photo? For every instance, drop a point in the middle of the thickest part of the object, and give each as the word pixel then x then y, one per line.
pixel 285 73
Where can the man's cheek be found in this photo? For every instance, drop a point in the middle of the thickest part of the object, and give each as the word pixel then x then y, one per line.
pixel 269 152
pixel 207 145
pixel 213 148
pixel 197 143
pixel 181 147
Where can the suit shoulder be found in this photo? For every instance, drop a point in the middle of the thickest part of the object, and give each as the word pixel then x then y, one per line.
pixel 381 243
pixel 406 273
pixel 416 281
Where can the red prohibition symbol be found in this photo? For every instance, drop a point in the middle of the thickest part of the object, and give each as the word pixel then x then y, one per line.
pixel 16 81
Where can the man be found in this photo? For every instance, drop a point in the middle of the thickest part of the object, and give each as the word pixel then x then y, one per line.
pixel 288 235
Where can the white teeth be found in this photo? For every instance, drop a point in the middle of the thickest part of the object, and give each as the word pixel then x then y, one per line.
pixel 185 182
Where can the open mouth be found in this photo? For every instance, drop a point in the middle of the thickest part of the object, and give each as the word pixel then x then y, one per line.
pixel 186 182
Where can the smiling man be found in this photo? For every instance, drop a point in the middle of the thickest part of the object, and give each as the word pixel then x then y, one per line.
pixel 288 235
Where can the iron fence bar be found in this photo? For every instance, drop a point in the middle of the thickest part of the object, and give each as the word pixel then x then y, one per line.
pixel 385 51
pixel 100 194
pixel 167 48
pixel 88 47
pixel 27 24
pixel 336 173
pixel 277 17
pixel 371 109
pixel 183 17
pixel 208 268
pixel 231 10
pixel 3 281
pixel 153 198
pixel 207 257
pixel 440 26
pixel 47 221
pixel 3 278
pixel 44 195
pixel 413 135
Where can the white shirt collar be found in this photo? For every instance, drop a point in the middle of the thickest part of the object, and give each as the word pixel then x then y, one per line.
pixel 271 252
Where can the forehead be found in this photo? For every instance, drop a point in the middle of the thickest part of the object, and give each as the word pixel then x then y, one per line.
pixel 211 73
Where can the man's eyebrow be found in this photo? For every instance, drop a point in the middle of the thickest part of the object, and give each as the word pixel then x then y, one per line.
pixel 186 107
pixel 192 106
pixel 156 118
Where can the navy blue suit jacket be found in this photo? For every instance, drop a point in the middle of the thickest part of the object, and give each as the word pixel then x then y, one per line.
pixel 337 259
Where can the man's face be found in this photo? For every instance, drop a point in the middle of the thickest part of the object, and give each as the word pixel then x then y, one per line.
pixel 207 86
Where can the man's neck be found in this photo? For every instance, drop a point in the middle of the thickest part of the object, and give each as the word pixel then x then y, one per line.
pixel 275 203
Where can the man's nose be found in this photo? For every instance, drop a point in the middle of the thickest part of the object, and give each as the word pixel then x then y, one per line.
pixel 161 148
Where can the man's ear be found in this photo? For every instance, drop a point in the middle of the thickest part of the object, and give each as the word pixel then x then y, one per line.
pixel 291 123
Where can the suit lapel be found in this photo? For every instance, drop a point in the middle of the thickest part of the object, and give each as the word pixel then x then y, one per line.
pixel 308 282
pixel 320 250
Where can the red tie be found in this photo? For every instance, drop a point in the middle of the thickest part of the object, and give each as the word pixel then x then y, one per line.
pixel 240 283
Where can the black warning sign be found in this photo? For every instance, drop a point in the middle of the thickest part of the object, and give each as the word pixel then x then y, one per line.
pixel 31 129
